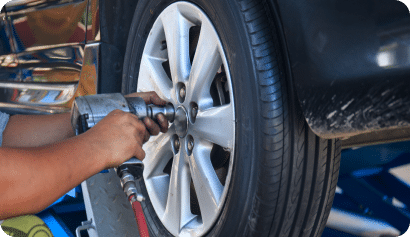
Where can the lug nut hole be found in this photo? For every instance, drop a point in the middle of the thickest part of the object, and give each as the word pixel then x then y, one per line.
pixel 190 144
pixel 193 111
pixel 181 91
pixel 176 144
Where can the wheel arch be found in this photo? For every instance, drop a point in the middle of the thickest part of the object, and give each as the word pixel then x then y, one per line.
pixel 332 50
pixel 115 21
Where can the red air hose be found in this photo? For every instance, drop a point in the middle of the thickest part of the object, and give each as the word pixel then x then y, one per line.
pixel 139 217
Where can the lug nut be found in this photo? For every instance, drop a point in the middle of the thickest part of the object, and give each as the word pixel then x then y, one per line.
pixel 176 144
pixel 182 92
pixel 190 145
pixel 194 112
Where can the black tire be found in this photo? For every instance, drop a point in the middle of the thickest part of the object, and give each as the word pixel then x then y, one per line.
pixel 284 176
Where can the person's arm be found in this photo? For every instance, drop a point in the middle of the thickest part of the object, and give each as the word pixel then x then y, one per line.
pixel 33 178
pixel 37 130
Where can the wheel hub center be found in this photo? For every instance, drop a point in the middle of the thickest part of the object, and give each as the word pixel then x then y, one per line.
pixel 181 121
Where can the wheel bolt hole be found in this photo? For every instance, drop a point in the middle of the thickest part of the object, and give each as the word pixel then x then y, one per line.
pixel 163 45
pixel 176 143
pixel 194 112
pixel 190 144
pixel 181 89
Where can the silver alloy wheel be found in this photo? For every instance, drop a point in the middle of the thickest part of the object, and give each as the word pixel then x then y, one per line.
pixel 188 170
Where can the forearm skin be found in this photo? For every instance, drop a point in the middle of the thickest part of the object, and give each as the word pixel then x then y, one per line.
pixel 33 178
pixel 37 130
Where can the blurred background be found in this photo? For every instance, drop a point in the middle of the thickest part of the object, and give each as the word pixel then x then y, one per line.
pixel 373 193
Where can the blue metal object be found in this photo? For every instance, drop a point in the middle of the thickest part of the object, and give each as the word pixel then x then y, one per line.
pixel 391 186
pixel 66 214
pixel 375 203
pixel 56 225
pixel 366 172
pixel 368 187
pixel 69 208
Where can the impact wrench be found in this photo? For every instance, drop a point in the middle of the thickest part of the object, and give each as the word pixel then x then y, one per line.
pixel 89 110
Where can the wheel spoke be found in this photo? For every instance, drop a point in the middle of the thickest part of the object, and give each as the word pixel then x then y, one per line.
pixel 152 77
pixel 158 151
pixel 159 193
pixel 176 29
pixel 207 185
pixel 178 212
pixel 207 61
pixel 216 125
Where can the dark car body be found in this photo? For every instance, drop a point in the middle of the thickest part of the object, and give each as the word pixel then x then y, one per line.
pixel 349 61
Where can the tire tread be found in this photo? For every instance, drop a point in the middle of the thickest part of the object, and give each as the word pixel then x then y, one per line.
pixel 304 177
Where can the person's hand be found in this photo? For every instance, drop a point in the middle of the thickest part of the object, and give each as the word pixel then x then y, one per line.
pixel 161 124
pixel 118 137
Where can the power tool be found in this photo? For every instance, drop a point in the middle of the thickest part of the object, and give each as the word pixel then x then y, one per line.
pixel 88 110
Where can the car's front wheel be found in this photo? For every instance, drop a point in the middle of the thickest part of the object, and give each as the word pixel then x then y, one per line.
pixel 239 159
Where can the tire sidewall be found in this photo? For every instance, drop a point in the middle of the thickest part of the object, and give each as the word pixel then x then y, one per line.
pixel 229 24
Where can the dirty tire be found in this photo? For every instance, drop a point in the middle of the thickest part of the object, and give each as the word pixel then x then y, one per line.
pixel 284 176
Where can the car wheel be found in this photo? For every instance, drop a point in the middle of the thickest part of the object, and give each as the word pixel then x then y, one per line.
pixel 239 159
